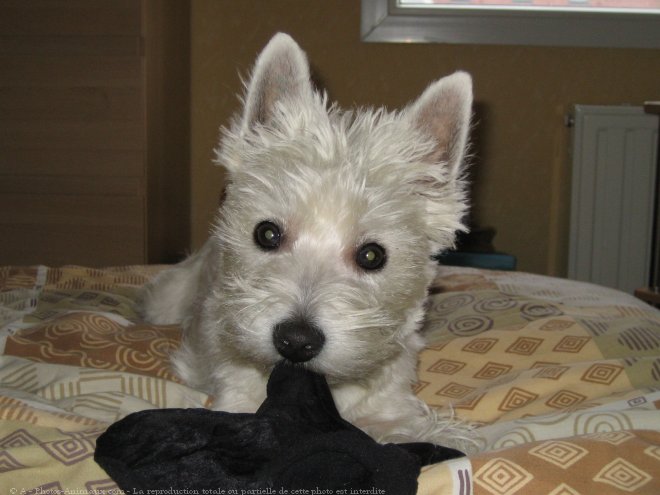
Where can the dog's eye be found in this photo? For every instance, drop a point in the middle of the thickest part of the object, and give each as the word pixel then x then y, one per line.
pixel 371 256
pixel 267 235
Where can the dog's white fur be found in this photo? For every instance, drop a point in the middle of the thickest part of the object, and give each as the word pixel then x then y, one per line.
pixel 332 180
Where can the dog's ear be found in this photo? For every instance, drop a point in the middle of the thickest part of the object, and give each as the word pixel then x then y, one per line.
pixel 280 74
pixel 443 112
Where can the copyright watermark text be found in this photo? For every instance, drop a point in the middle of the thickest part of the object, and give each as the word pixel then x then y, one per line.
pixel 184 491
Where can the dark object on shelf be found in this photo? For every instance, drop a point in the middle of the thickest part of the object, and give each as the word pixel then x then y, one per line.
pixel 491 261
pixel 475 249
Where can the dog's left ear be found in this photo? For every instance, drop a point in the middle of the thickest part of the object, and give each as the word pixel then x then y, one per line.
pixel 443 113
pixel 280 75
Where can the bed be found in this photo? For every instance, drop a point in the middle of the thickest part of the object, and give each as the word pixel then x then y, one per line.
pixel 562 377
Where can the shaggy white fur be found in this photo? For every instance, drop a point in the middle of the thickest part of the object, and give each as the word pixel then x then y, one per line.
pixel 356 203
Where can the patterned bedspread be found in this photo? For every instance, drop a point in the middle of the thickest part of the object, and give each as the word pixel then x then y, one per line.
pixel 562 377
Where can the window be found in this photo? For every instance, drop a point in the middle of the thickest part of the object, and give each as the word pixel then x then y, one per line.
pixel 605 23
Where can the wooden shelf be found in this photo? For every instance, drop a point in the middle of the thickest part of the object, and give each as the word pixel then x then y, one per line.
pixel 650 295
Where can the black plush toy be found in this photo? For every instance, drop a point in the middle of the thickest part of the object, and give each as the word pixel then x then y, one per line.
pixel 295 441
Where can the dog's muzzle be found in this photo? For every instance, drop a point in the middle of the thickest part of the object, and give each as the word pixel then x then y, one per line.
pixel 298 340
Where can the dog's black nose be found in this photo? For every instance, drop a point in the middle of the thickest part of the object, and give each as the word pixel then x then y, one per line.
pixel 298 340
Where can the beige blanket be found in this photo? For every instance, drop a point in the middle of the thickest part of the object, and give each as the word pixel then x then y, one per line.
pixel 563 378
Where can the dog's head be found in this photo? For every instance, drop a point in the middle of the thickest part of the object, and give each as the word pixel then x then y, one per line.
pixel 331 218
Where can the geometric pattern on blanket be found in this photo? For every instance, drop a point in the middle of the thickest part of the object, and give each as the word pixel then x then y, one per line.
pixel 533 356
pixel 567 389
pixel 98 342
pixel 562 378
pixel 584 465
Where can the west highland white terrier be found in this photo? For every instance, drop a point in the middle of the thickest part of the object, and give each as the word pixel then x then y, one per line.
pixel 321 252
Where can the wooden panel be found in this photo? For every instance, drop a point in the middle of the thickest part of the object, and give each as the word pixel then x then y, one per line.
pixel 167 46
pixel 69 70
pixel 77 81
pixel 49 134
pixel 73 186
pixel 70 17
pixel 73 45
pixel 66 103
pixel 56 229
pixel 78 210
pixel 71 245
pixel 100 163
pixel 73 138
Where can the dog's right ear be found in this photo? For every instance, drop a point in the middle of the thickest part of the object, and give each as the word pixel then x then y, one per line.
pixel 280 74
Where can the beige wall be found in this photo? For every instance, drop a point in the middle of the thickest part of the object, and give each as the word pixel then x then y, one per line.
pixel 522 93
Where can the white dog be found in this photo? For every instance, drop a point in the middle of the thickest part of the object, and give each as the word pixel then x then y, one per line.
pixel 321 253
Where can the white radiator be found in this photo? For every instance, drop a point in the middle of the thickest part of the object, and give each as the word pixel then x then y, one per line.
pixel 612 195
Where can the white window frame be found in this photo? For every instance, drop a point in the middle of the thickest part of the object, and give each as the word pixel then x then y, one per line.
pixel 386 21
